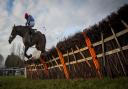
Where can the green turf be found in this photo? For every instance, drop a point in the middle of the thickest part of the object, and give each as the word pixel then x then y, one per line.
pixel 22 83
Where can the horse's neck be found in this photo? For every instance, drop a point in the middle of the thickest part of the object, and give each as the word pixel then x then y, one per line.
pixel 22 31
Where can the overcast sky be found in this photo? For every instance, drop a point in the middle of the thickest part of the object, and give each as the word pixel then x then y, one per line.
pixel 61 18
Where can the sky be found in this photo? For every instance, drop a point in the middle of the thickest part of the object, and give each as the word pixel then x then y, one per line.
pixel 57 19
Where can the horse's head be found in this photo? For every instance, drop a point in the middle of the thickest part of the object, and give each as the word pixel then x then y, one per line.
pixel 13 34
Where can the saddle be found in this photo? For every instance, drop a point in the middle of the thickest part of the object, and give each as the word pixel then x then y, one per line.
pixel 31 31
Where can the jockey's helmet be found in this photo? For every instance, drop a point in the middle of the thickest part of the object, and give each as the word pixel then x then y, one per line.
pixel 26 15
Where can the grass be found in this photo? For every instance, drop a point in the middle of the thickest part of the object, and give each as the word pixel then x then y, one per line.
pixel 23 83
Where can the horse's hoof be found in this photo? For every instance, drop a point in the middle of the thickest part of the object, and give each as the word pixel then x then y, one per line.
pixel 29 56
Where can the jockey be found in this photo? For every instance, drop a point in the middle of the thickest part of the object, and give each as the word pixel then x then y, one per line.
pixel 30 23
pixel 30 20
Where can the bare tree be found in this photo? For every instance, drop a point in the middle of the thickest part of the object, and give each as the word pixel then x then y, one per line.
pixel 18 49
pixel 13 48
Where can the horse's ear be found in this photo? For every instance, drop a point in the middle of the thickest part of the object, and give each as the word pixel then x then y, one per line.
pixel 14 25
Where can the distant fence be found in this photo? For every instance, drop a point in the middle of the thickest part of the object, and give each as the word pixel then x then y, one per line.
pixel 104 54
pixel 12 71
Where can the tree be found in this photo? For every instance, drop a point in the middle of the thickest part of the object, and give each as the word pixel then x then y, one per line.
pixel 1 60
pixel 18 49
pixel 14 61
pixel 13 48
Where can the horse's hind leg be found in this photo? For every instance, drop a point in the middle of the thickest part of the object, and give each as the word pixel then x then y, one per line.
pixel 40 48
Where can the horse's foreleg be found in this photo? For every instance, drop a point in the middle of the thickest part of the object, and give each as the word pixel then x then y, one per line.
pixel 25 53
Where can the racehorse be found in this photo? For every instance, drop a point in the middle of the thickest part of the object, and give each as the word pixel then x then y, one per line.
pixel 37 38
